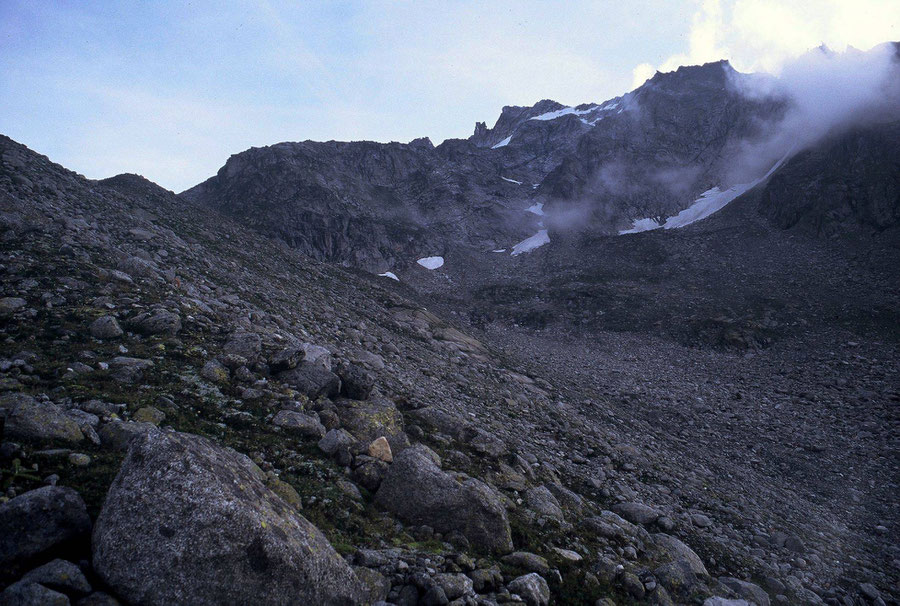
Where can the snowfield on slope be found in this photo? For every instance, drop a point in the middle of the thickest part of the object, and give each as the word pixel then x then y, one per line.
pixel 503 143
pixel 529 244
pixel 709 202
pixel 431 262
pixel 391 275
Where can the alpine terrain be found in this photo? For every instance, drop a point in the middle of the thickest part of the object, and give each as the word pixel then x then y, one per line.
pixel 643 350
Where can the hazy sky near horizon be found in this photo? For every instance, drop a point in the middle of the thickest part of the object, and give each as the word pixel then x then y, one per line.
pixel 170 89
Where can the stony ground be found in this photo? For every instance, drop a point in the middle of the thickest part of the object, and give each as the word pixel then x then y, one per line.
pixel 173 383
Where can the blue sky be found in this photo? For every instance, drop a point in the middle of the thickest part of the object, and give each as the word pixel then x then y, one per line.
pixel 170 90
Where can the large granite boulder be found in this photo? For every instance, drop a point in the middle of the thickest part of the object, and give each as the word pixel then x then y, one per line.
pixel 29 419
pixel 187 521
pixel 419 492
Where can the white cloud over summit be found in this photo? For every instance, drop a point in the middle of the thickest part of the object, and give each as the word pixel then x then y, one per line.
pixel 762 35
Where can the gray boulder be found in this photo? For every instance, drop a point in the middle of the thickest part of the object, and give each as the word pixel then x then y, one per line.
pixel 532 588
pixel 336 440
pixel 372 419
pixel 243 343
pixel 40 520
pixel 678 551
pixel 312 380
pixel 26 593
pixel 542 501
pixel 525 560
pixel 31 420
pixel 636 513
pixel 186 521
pixel 160 322
pixel 60 575
pixel 356 383
pixel 106 327
pixel 746 590
pixel 299 424
pixel 10 304
pixel 287 358
pixel 128 370
pixel 419 492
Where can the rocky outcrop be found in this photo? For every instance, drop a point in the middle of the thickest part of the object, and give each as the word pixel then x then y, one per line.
pixel 186 521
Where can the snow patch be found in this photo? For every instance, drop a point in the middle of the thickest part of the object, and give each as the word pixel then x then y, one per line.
pixel 709 202
pixel 641 225
pixel 564 112
pixel 511 180
pixel 529 244
pixel 391 275
pixel 431 262
pixel 536 209
pixel 499 250
pixel 503 143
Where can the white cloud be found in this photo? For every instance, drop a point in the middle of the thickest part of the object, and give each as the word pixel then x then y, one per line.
pixel 641 73
pixel 762 35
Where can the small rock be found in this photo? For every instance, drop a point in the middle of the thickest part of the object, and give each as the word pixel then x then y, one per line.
pixel 160 322
pixel 300 424
pixel 215 371
pixel 10 304
pixel 149 414
pixel 526 560
pixel 636 513
pixel 128 370
pixel 380 449
pixel 335 440
pixel 106 327
pixel 870 591
pixel 746 590
pixel 532 588
pixel 455 585
pixel 356 383
pixel 568 555
pixel 26 593
pixel 79 459
pixel 542 501
pixel 60 575
pixel 632 585
pixel 435 596
pixel 700 521
pixel 312 380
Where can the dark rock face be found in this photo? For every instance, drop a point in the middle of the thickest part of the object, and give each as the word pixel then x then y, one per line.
pixel 850 183
pixel 38 521
pixel 418 491
pixel 377 206
pixel 187 521
pixel 367 204
pixel 671 142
